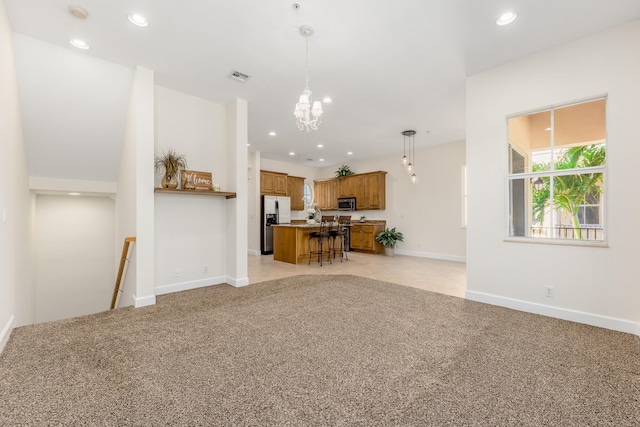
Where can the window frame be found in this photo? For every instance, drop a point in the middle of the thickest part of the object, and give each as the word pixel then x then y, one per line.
pixel 304 196
pixel 509 177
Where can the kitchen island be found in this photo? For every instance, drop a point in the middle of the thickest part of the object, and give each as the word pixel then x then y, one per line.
pixel 291 241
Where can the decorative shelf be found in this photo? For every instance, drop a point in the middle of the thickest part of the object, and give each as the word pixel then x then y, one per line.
pixel 226 194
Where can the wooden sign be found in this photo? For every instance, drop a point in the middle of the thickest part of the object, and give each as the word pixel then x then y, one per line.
pixel 196 180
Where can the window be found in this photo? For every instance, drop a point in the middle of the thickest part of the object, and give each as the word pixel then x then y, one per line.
pixel 556 173
pixel 308 195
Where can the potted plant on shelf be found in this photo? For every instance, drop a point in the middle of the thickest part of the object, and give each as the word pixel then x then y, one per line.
pixel 171 163
pixel 344 170
pixel 389 238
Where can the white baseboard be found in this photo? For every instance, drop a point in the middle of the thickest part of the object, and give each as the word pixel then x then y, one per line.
pixel 254 252
pixel 445 257
pixel 144 301
pixel 592 319
pixel 6 332
pixel 185 286
pixel 237 283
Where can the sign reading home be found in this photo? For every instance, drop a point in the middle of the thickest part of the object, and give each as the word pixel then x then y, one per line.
pixel 195 180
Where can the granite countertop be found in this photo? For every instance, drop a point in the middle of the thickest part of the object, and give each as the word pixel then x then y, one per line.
pixel 297 225
pixel 305 225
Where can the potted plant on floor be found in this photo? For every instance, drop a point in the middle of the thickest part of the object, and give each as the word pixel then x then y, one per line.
pixel 388 237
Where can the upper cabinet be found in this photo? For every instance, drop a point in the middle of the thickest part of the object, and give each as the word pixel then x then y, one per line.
pixel 375 194
pixel 295 190
pixel 325 191
pixel 346 186
pixel 273 183
pixel 281 184
pixel 369 189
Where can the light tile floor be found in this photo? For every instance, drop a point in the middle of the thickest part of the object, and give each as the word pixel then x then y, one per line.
pixel 446 277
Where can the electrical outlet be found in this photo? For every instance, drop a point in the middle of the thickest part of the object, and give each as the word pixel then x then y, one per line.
pixel 178 272
pixel 205 269
pixel 548 291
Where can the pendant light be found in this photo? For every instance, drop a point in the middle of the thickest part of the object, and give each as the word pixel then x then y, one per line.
pixel 411 160
pixel 308 113
pixel 405 160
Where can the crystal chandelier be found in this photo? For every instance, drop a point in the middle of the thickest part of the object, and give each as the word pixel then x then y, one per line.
pixel 307 112
pixel 409 162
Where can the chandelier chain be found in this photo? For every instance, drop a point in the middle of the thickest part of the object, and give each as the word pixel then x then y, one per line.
pixel 306 56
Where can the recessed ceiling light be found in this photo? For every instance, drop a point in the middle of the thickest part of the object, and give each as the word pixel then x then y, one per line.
pixel 548 129
pixel 74 194
pixel 80 44
pixel 506 18
pixel 248 145
pixel 349 153
pixel 327 100
pixel 272 133
pixel 322 160
pixel 291 153
pixel 78 12
pixel 138 20
pixel 319 145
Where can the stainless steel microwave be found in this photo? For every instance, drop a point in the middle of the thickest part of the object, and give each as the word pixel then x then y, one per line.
pixel 347 204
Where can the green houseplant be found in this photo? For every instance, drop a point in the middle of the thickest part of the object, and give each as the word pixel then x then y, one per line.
pixel 389 237
pixel 344 170
pixel 171 163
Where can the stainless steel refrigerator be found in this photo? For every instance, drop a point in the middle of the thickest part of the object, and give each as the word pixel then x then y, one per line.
pixel 275 210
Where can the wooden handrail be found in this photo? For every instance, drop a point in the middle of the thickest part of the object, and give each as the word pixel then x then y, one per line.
pixel 123 260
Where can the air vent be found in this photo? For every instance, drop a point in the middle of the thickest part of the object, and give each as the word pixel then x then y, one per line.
pixel 237 75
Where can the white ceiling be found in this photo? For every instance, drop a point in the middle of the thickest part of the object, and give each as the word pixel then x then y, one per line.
pixel 388 65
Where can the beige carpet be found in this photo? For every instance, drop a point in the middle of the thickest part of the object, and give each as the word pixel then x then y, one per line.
pixel 318 350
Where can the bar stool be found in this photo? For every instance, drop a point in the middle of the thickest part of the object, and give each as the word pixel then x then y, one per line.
pixel 323 237
pixel 338 235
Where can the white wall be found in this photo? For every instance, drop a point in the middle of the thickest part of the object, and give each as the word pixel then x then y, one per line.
pixel 192 233
pixel 71 103
pixel 135 197
pixel 237 209
pixel 253 203
pixel 16 272
pixel 592 285
pixel 126 205
pixel 74 255
pixel 193 127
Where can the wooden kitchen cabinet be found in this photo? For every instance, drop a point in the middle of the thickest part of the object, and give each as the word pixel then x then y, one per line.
pixel 331 201
pixel 295 190
pixel 325 191
pixel 273 183
pixel 363 235
pixel 369 189
pixel 280 184
pixel 347 186
pixel 318 193
pixel 375 189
